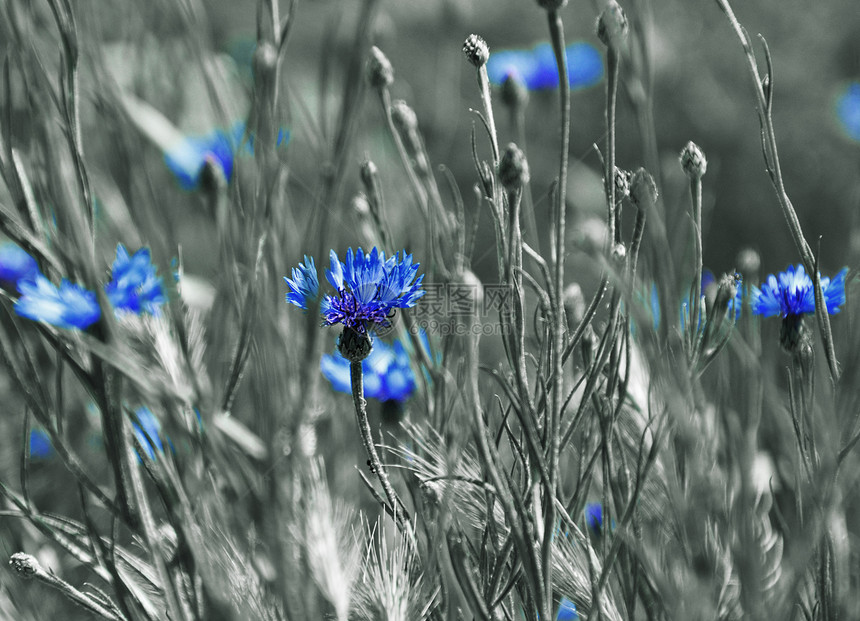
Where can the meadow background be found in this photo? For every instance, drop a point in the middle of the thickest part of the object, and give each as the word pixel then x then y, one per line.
pixel 255 491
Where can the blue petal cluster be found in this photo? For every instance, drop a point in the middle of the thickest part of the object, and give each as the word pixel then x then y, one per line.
pixel 791 293
pixel 369 288
pixel 15 265
pixel 594 517
pixel 304 285
pixel 40 445
pixel 188 157
pixel 537 69
pixel 134 285
pixel 386 371
pixel 848 110
pixel 566 611
pixel 147 430
pixel 67 306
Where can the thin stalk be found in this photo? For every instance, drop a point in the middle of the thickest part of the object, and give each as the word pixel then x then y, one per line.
pixel 696 287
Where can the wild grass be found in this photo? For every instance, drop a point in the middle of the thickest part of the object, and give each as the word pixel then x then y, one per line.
pixel 179 455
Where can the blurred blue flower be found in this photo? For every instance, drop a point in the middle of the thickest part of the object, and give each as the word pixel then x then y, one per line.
pixel 387 374
pixel 134 285
pixel 369 288
pixel 67 306
pixel 594 517
pixel 15 265
pixel 566 611
pixel 791 294
pixel 187 158
pixel 848 110
pixel 147 430
pixel 40 444
pixel 304 285
pixel 537 69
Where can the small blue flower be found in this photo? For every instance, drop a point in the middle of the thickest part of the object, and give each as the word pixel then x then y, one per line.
pixel 188 157
pixel 566 611
pixel 537 69
pixel 594 517
pixel 848 110
pixel 791 294
pixel 369 288
pixel 67 306
pixel 304 285
pixel 134 285
pixel 386 371
pixel 15 265
pixel 147 430
pixel 40 445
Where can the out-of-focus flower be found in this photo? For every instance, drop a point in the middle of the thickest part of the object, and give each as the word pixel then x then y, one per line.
pixel 40 445
pixel 134 285
pixel 594 517
pixel 791 294
pixel 304 285
pixel 15 265
pixel 147 430
pixel 566 611
pixel 848 110
pixel 537 69
pixel 67 306
pixel 386 372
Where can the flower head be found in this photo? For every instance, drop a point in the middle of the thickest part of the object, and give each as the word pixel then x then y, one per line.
pixel 134 286
pixel 188 157
pixel 386 372
pixel 537 68
pixel 369 288
pixel 15 265
pixel 67 306
pixel 848 110
pixel 791 294
pixel 304 285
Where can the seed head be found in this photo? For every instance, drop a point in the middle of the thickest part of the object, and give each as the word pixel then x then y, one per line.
pixel 380 73
pixel 643 189
pixel 693 161
pixel 25 565
pixel 513 168
pixel 622 183
pixel 476 50
pixel 612 25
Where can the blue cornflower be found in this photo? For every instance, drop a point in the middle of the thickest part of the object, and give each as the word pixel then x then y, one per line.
pixel 15 265
pixel 304 285
pixel 67 306
pixel 187 157
pixel 369 288
pixel 147 430
pixel 537 69
pixel 566 611
pixel 386 371
pixel 134 285
pixel 40 444
pixel 594 517
pixel 848 110
pixel 791 294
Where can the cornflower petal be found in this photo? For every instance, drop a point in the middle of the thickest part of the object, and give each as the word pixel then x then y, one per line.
pixel 67 306
pixel 304 285
pixel 15 265
pixel 135 286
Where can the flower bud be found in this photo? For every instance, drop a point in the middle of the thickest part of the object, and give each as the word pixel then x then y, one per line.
pixel 748 261
pixel 622 183
pixel 25 565
pixel 693 161
pixel 574 305
pixel 551 5
pixel 380 73
pixel 404 117
pixel 612 25
pixel 476 50
pixel 619 254
pixel 643 189
pixel 727 289
pixel 513 168
pixel 353 345
pixel 515 95
pixel 265 61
